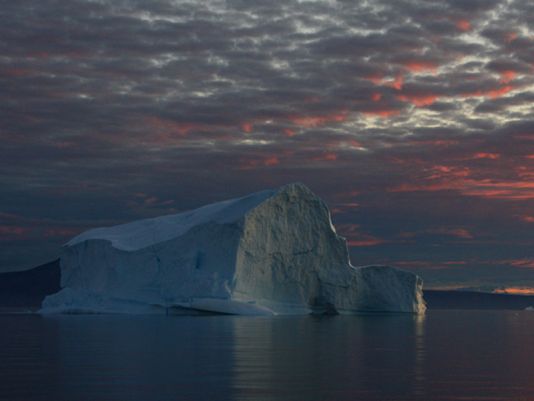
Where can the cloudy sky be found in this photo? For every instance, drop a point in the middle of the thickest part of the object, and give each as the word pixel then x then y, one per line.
pixel 412 119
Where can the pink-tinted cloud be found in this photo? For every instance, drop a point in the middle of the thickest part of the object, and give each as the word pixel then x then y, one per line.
pixel 429 264
pixel 526 263
pixel 486 155
pixel 435 142
pixel 357 238
pixel 148 200
pixel 352 143
pixel 515 190
pixel 326 156
pixel 492 93
pixel 454 263
pixel 462 180
pixel 376 78
pixel 61 232
pixel 371 241
pixel 383 113
pixel 509 37
pixel 271 161
pixel 397 83
pixel 415 66
pixel 418 100
pixel 514 290
pixel 380 79
pixel 312 121
pixel 16 72
pixel 170 127
pixel 344 207
pixel 463 25
pixel 289 132
pixel 448 172
pixel 454 232
pixel 258 162
pixel 507 76
pixel 247 127
pixel 13 231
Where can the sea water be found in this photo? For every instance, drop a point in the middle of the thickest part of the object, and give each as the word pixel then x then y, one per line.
pixel 444 355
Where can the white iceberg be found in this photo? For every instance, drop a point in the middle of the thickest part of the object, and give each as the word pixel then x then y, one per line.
pixel 272 252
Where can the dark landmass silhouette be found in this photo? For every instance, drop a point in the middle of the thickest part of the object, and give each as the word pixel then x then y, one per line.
pixel 28 288
pixel 440 299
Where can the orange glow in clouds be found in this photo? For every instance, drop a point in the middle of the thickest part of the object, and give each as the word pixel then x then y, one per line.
pixel 515 291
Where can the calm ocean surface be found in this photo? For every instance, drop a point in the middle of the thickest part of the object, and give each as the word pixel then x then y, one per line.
pixel 447 355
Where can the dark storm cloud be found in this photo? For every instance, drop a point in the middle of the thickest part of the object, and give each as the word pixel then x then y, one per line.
pixel 411 118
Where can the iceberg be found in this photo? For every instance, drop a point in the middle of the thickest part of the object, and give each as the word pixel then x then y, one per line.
pixel 269 253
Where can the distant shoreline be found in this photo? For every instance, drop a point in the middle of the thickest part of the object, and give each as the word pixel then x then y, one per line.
pixel 456 299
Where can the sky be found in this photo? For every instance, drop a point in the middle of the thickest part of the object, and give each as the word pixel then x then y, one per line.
pixel 412 119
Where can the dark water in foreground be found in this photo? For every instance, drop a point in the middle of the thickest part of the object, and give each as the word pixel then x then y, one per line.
pixel 447 355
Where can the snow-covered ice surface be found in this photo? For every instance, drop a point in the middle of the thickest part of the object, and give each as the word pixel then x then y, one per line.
pixel 142 233
pixel 272 252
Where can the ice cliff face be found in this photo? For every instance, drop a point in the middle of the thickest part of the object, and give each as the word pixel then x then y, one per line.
pixel 272 252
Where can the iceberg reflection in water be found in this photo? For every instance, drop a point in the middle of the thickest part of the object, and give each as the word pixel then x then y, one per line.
pixel 444 355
